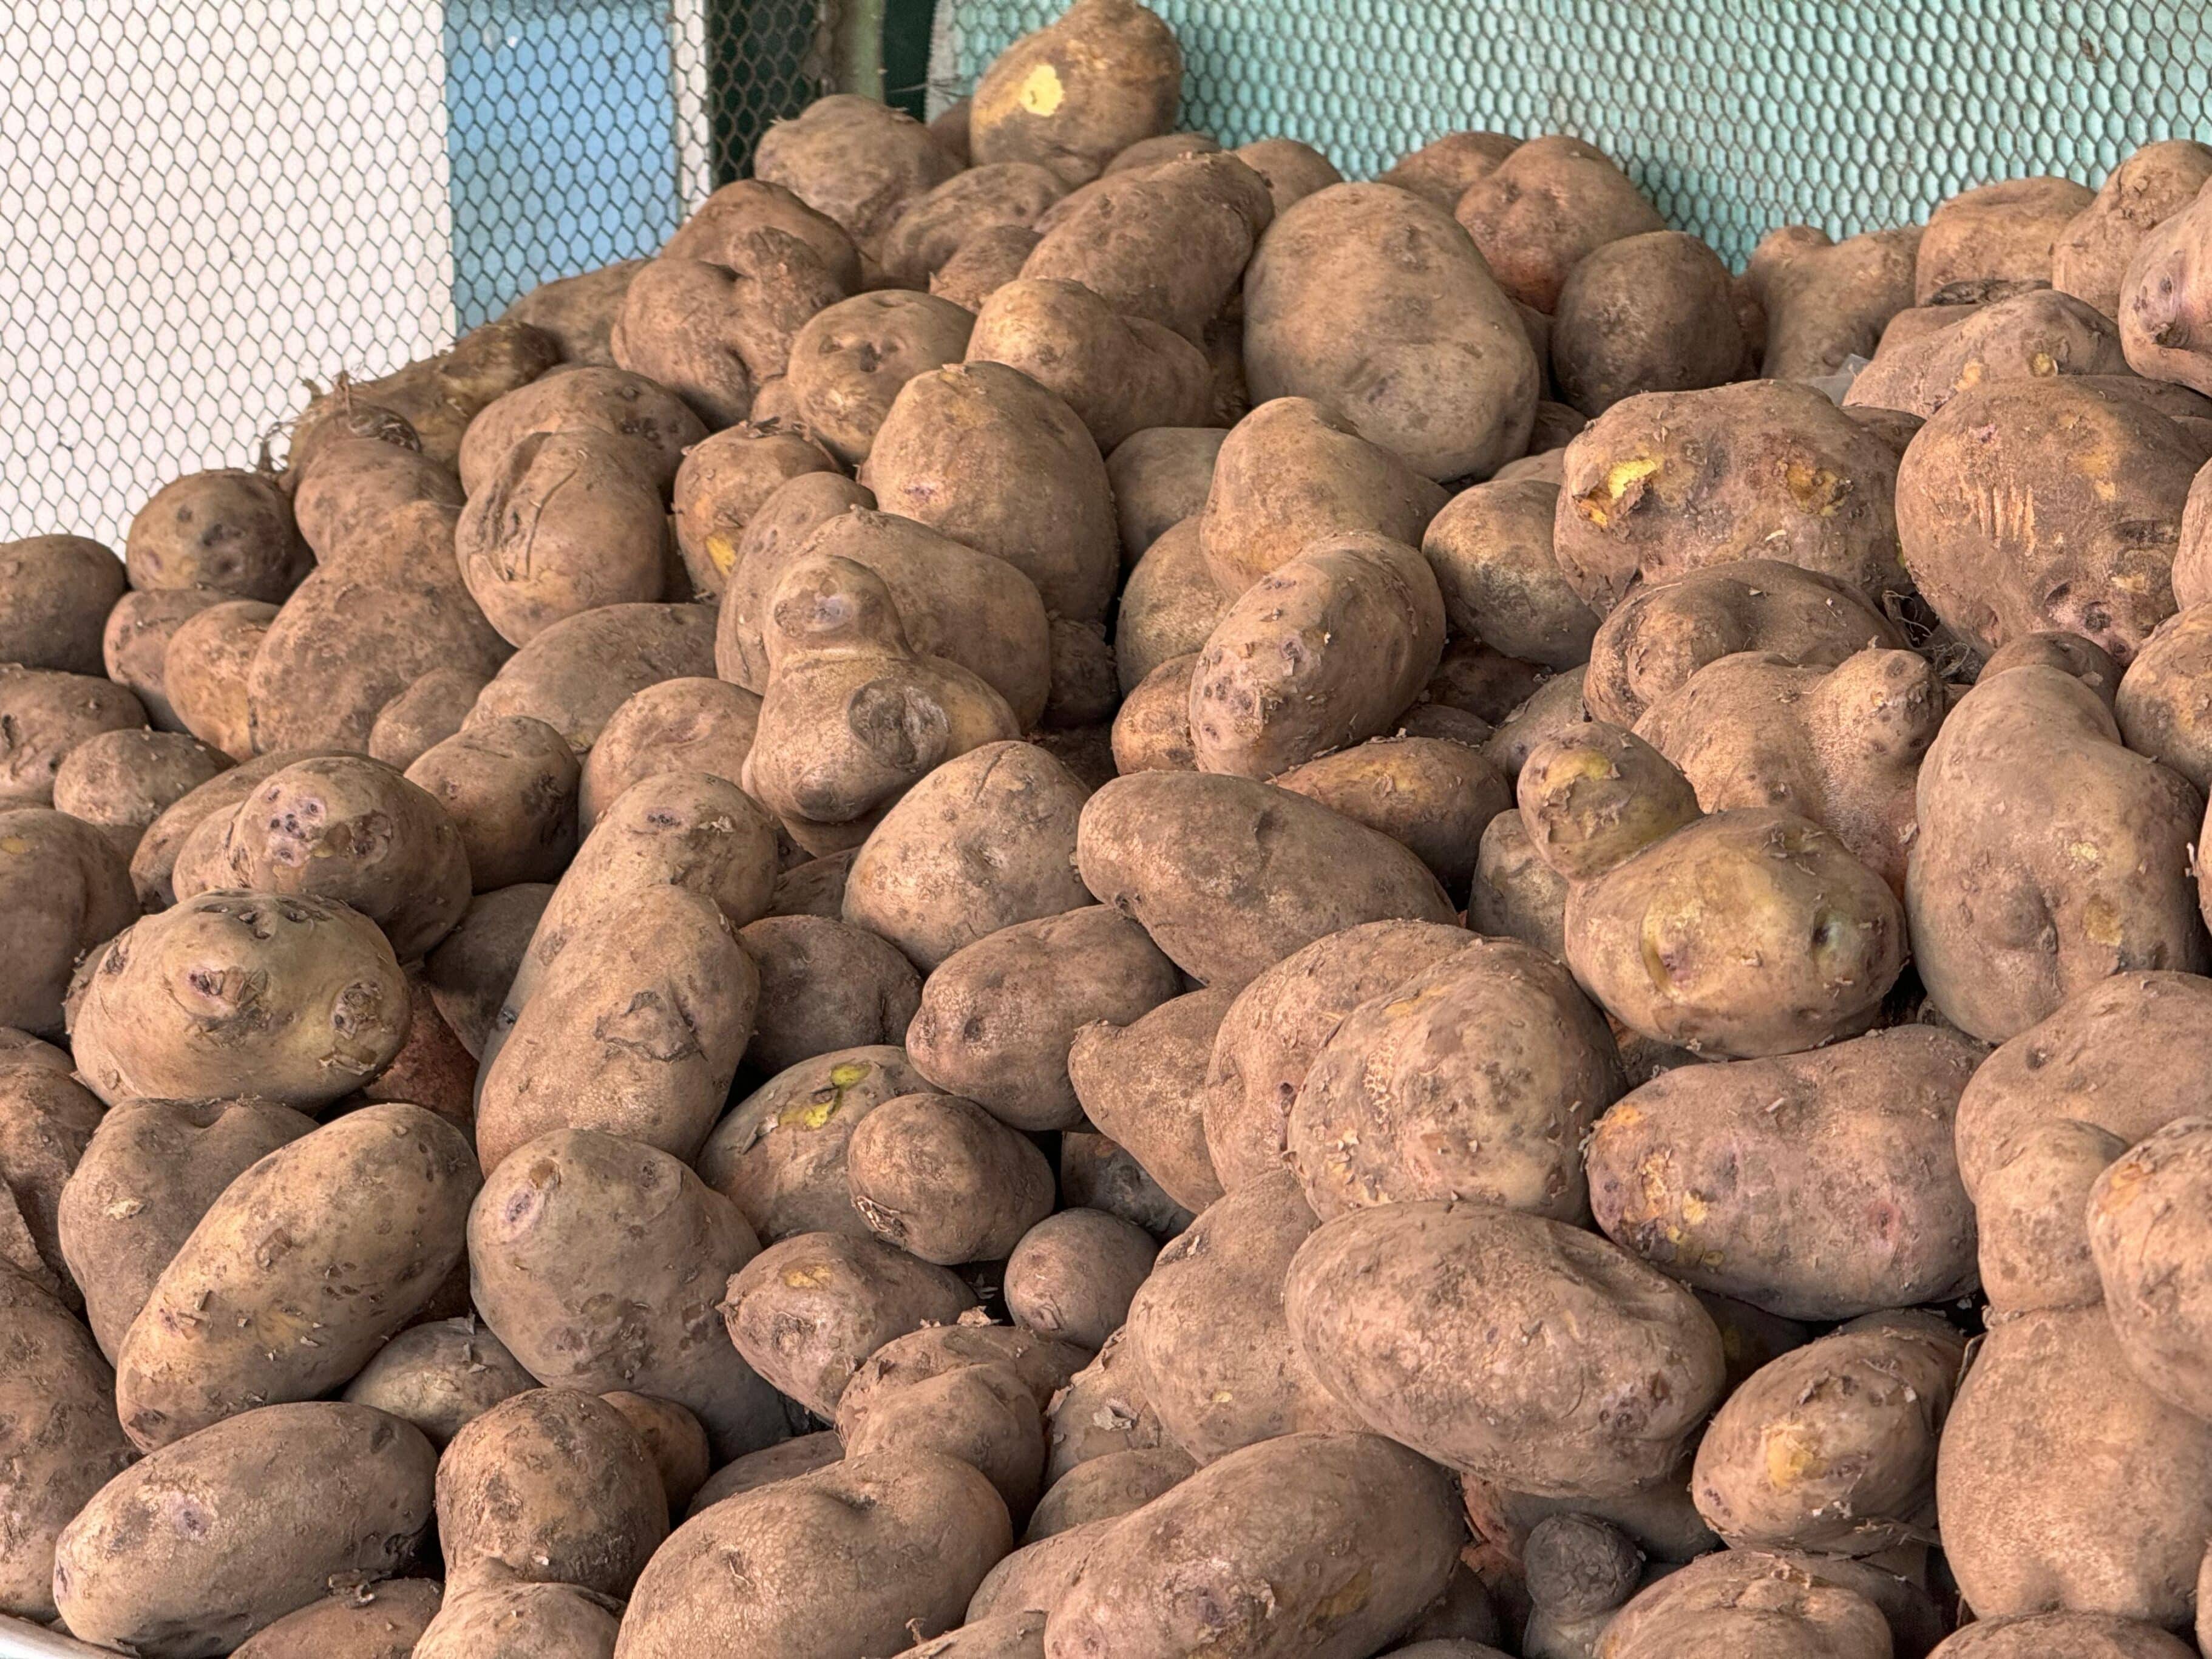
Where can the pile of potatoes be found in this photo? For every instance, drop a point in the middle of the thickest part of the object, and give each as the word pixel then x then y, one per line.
pixel 1077 896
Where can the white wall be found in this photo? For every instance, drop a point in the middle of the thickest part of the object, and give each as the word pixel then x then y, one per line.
pixel 206 200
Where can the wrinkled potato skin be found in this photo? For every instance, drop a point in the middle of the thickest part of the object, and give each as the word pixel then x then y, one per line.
pixel 1668 482
pixel 1650 312
pixel 1755 1179
pixel 2003 232
pixel 231 530
pixel 1214 1564
pixel 376 1621
pixel 290 1497
pixel 2008 918
pixel 1120 374
pixel 56 593
pixel 2030 335
pixel 1546 207
pixel 1825 301
pixel 1491 548
pixel 942 1179
pixel 1629 1369
pixel 439 1376
pixel 652 422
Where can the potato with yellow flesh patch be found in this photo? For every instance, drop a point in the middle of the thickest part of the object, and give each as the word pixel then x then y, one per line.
pixel 723 482
pixel 2085 872
pixel 1073 96
pixel 2032 336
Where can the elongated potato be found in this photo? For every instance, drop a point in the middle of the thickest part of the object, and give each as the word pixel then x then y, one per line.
pixel 439 1376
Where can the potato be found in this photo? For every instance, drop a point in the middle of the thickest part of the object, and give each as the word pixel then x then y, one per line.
pixel 1394 1108
pixel 855 161
pixel 1101 1411
pixel 980 1414
pixel 1213 1562
pixel 1010 1636
pixel 807 1311
pixel 1039 1365
pixel 1292 472
pixel 1421 354
pixel 1156 152
pixel 1098 1174
pixel 1290 170
pixel 1428 794
pixel 134 644
pixel 1544 713
pixel 2085 873
pixel 579 312
pixel 524 1621
pixel 2098 561
pixel 967 607
pixel 1546 207
pixel 438 397
pixel 722 485
pixel 1665 631
pixel 432 707
pixel 549 1486
pixel 598 1262
pixel 2159 704
pixel 439 1376
pixel 1669 482
pixel 565 522
pixel 122 780
pixel 286 1499
pixel 575 674
pixel 672 1438
pixel 153 863
pixel 2063 1481
pixel 1152 729
pixel 931 228
pixel 711 332
pixel 1207 1349
pixel 1557 1419
pixel 1809 944
pixel 1073 95
pixel 778 1155
pixel 862 1556
pixel 1441 171
pixel 1650 312
pixel 471 970
pixel 687 725
pixel 1072 1274
pixel 1141 1082
pixel 369 1621
pixel 2138 1227
pixel 204 673
pixel 228 530
pixel 716 232
pixel 2060 1635
pixel 825 986
pixel 1697 1169
pixel 1752 1604
pixel 949 451
pixel 1160 477
pixel 149 1172
pixel 997 1017
pixel 349 489
pixel 850 362
pixel 1325 650
pixel 1490 549
pixel 985 263
pixel 46 1119
pixel 1840 746
pixel 63 893
pixel 2005 231
pixel 1106 1488
pixel 508 786
pixel 1171 604
pixel 1824 301
pixel 652 425
pixel 1120 374
pixel 1036 1577
pixel 944 1180
pixel 1831 1447
pixel 2031 335
pixel 56 593
pixel 1515 894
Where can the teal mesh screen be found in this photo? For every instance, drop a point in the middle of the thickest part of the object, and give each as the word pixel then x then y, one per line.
pixel 1735 116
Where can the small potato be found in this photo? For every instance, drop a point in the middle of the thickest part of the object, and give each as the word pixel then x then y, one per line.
pixel 1142 1083
pixel 1515 894
pixel 1327 649
pixel 295 1000
pixel 672 1439
pixel 1629 1367
pixel 688 725
pixel 1072 1275
pixel 652 422
pixel 1544 714
pixel 149 1173
pixel 509 787
pixel 636 1029
pixel 439 1376
pixel 1073 95
pixel 850 362
pixel 45 716
pixel 1331 1577
pixel 1544 208
pixel 134 644
pixel 1394 1107
pixel 1152 729
pixel 1120 374
pixel 64 892
pixel 549 1486
pixel 807 1311
pixel 997 1017
pixel 565 522
pixel 1491 548
pixel 1649 312
pixel 855 161
pixel 985 263
pixel 723 484
pixel 1290 170
pixel 231 530
pixel 952 439
pixel 471 970
pixel 1107 1487
pixel 579 312
pixel 374 1205
pixel 432 708
pixel 56 593
pixel 1171 605
pixel 1289 472
pixel 204 672
pixel 825 986
pixel 282 1501
pixel 1428 794
pixel 865 1556
pixel 598 1262
pixel 1753 1179
pixel 779 1154
pixel 718 229
pixel 931 227
pixel 983 1415
pixel 522 1621
pixel 122 780
pixel 1823 301
pixel 1441 170
pixel 944 1180
pixel 575 674
pixel 2005 231
pixel 1160 477
pixel 370 1621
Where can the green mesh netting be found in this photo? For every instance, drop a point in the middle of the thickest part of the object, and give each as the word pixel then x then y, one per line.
pixel 1735 116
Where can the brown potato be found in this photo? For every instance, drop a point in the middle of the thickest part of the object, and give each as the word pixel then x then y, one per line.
pixel 672 1438
pixel 1441 170
pixel 152 864
pixel 2160 704
pixel 1036 1577
pixel 687 725
pixel 576 673
pixel 1650 312
pixel 1039 1365
pixel 438 397
pixel 2060 1635
pixel 1073 95
pixel 983 1415
pixel 806 1312
pixel 122 780
pixel 985 263
pixel 1098 1174
pixel 1824 302
pixel 64 892
pixel 45 1121
pixel 1120 374
pixel 1072 1275
pixel 1542 715
pixel 56 593
pixel 432 708
pixel 523 1621
pixel 952 439
pixel 997 1017
pixel 44 715
pixel 825 986
pixel 205 668
pixel 231 530
pixel 439 1376
pixel 549 1486
pixel 1160 477
pixel 1289 472
pixel 1752 1604
pixel 134 644
pixel 2139 1230
pixel 2030 335
pixel 850 362
pixel 1514 893
pixel 716 231
pixel 1142 1083
pixel 348 488
pixel 711 332
pixel 1290 170
pixel 509 787
pixel 944 1180
pixel 472 967
pixel 1152 729
pixel 1171 605
pixel 1544 208
pixel 723 484
pixel 600 1262
pixel 1491 548
pixel 2005 231
pixel 1629 1367
pixel 369 1621
pixel 1103 1410
pixel 579 312
pixel 651 423
pixel 931 228
pixel 856 160
pixel 1428 794
pixel 1107 1487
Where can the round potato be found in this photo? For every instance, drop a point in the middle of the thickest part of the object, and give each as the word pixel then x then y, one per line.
pixel 651 422
pixel 825 986
pixel 1491 548
pixel 1120 374
pixel 439 1376
pixel 690 724
pixel 230 530
pixel 523 1621
pixel 122 780
pixel 1073 1274
pixel 850 362
pixel 722 485
pixel 1546 206
pixel 856 160
pixel 509 787
pixel 576 673
pixel 1650 312
pixel 944 1180
pixel 56 593
pixel 432 708
pixel 981 1414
